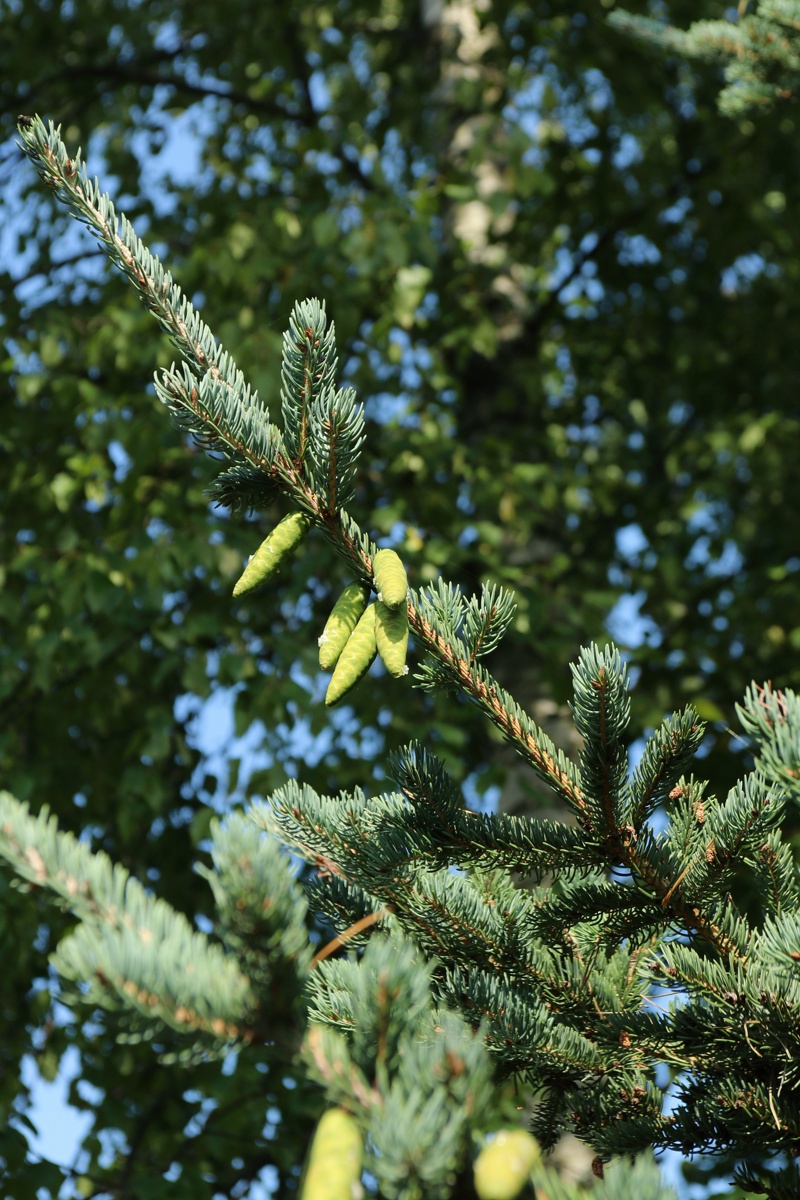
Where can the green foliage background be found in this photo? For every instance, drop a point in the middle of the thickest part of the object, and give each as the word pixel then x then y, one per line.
pixel 565 288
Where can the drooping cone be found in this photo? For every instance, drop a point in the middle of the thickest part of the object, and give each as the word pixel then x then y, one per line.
pixel 503 1166
pixel 389 576
pixel 356 658
pixel 341 623
pixel 333 1171
pixel 391 636
pixel 273 551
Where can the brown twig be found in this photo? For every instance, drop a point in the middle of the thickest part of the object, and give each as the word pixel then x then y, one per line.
pixel 343 938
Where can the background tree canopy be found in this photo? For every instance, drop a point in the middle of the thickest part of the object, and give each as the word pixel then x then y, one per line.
pixel 564 287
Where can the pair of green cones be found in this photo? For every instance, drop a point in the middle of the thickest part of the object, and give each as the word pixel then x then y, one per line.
pixel 355 631
pixel 333 1170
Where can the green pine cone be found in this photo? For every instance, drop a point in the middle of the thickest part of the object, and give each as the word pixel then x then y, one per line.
pixel 391 635
pixel 356 658
pixel 334 1160
pixel 389 575
pixel 273 551
pixel 503 1166
pixel 341 623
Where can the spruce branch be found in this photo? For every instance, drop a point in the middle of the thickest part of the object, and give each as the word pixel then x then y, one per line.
pixel 621 1180
pixel 394 846
pixel 738 1035
pixel 678 871
pixel 667 753
pixel 778 947
pixel 738 828
pixel 454 667
pixel 308 373
pixel 68 180
pixel 262 910
pixel 162 970
pixel 373 853
pixel 328 1061
pixel 243 488
pixel 357 841
pixel 760 51
pixel 131 950
pixel 346 905
pixel 337 435
pixel 719 1113
pixel 487 619
pixel 210 399
pixel 602 713
pixel 203 408
pixel 444 832
pixel 557 980
pixel 614 912
pixel 775 873
pixel 430 1076
pixel 720 925
pixel 772 721
pixel 208 396
pixel 622 1130
pixel 780 1184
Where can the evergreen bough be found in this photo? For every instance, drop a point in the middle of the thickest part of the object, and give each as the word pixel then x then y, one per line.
pixel 463 997
pixel 757 44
